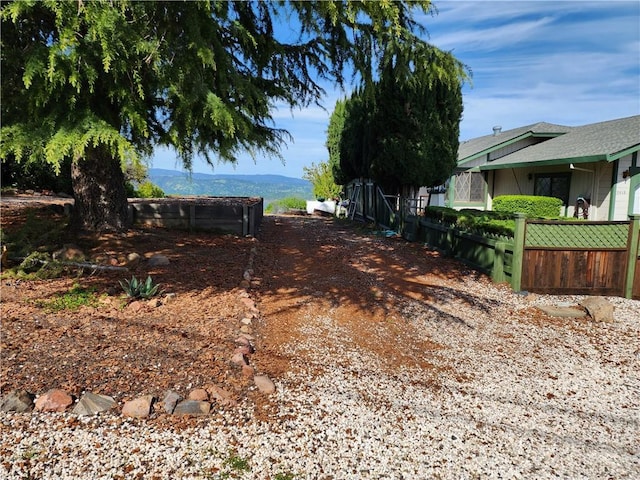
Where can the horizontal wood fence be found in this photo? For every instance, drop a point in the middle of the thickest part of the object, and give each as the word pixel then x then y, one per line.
pixel 240 216
pixel 577 258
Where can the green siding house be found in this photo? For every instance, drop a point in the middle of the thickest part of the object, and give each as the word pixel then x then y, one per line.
pixel 594 169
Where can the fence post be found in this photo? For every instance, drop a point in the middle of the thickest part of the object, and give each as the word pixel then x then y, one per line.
pixel 633 249
pixel 497 274
pixel 252 220
pixel 245 220
pixel 518 251
pixel 192 216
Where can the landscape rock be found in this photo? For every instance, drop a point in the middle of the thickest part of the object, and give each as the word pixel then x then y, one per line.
pixel 155 303
pixel 170 401
pixel 136 306
pixel 19 401
pixel 599 308
pixel 265 384
pixel 158 260
pixel 246 329
pixel 246 321
pixel 93 403
pixel 55 400
pixel 244 349
pixel 139 407
pixel 192 407
pixel 199 394
pixel 562 311
pixel 221 396
pixel 133 260
pixel 239 359
pixel 249 303
pixel 69 252
pixel 248 371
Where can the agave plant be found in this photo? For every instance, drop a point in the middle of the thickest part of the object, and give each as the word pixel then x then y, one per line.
pixel 138 289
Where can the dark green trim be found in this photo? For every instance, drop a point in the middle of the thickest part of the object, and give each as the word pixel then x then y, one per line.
pixel 634 252
pixel 634 182
pixel 513 140
pixel 623 153
pixel 612 189
pixel 469 204
pixel 451 192
pixel 485 175
pixel 544 163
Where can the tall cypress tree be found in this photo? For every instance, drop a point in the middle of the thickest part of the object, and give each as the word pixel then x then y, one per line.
pixel 402 130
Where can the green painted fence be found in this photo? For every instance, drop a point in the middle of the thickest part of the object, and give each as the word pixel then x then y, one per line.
pixel 609 251
pixel 493 256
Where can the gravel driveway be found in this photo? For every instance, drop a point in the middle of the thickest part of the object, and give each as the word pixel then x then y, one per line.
pixel 390 362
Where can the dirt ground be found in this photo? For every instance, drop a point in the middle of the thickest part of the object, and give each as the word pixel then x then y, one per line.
pixel 303 264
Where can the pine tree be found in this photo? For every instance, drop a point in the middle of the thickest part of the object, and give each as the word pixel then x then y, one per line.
pixel 103 83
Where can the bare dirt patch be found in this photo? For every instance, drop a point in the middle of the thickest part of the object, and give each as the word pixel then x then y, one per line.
pixel 368 283
pixel 120 348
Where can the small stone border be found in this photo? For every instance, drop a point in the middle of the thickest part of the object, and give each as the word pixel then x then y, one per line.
pixel 198 402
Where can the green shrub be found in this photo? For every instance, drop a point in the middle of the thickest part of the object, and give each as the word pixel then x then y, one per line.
pixel 149 190
pixel 531 206
pixel 441 214
pixel 472 220
pixel 286 204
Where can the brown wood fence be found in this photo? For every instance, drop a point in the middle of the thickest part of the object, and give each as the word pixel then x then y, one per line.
pixel 581 272
pixel 610 266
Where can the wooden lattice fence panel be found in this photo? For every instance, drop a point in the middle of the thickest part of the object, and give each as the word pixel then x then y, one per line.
pixel 577 258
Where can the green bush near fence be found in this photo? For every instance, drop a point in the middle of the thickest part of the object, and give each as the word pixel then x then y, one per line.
pixel 286 204
pixel 531 206
pixel 471 220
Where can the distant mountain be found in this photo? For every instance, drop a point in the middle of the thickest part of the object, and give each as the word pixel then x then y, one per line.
pixel 269 187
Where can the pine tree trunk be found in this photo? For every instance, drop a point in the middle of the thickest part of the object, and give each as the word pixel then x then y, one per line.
pixel 99 193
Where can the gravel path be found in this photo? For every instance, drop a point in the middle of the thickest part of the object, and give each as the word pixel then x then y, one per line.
pixel 475 386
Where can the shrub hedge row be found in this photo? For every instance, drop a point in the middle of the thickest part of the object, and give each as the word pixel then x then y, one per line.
pixel 531 206
pixel 500 221
pixel 476 221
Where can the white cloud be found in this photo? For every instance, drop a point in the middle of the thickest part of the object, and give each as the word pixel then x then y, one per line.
pixel 491 38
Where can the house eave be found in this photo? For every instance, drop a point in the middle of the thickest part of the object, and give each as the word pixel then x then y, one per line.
pixel 506 143
pixel 544 163
pixel 611 157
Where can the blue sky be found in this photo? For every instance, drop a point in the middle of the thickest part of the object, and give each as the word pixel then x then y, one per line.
pixel 564 61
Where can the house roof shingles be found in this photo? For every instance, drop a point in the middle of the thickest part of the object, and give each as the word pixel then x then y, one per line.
pixel 593 142
pixel 475 146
